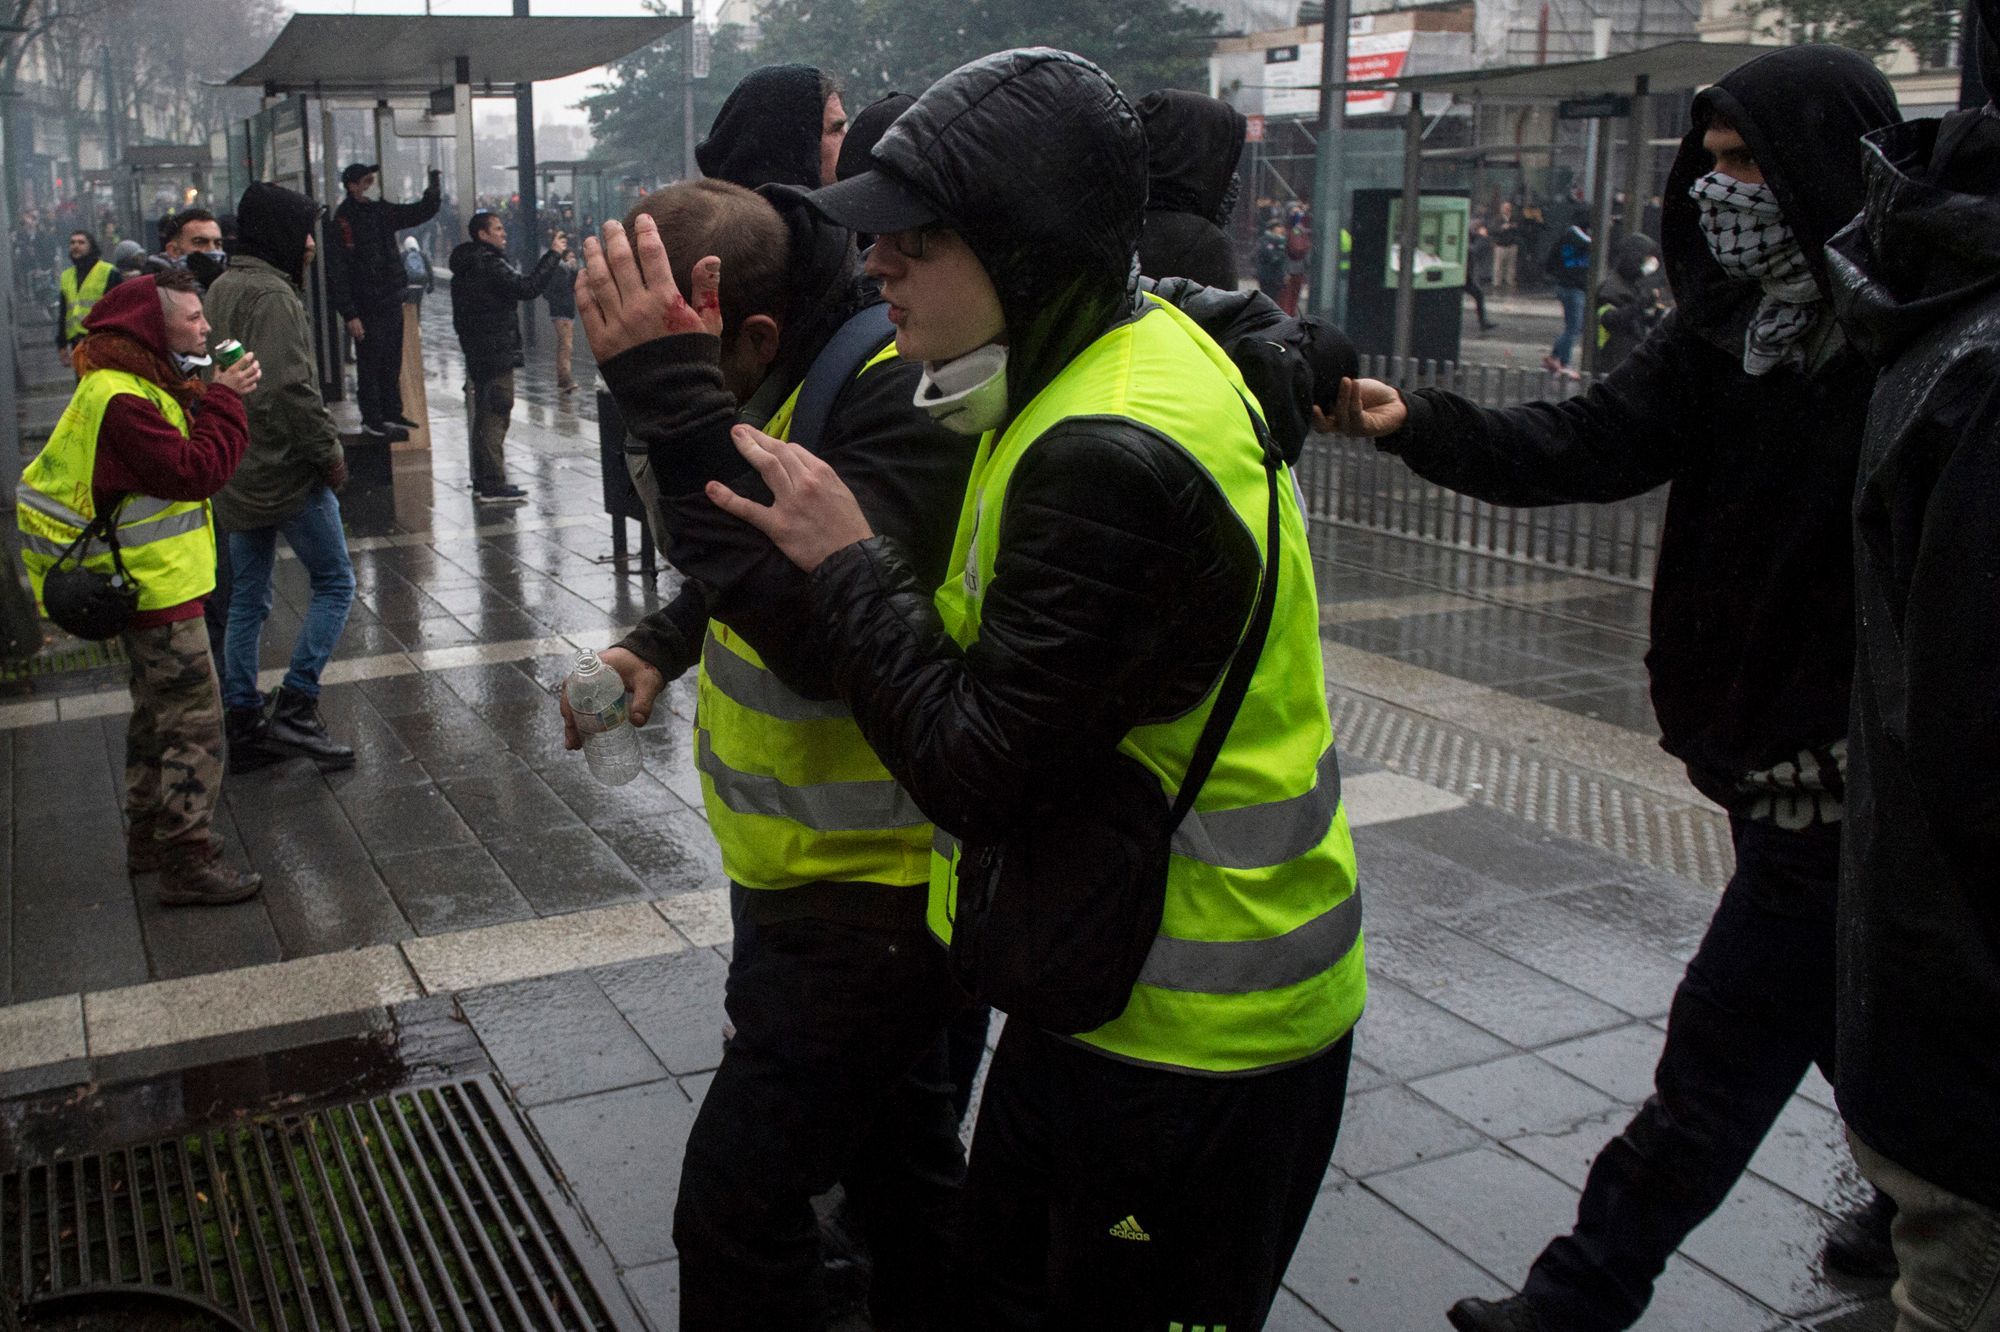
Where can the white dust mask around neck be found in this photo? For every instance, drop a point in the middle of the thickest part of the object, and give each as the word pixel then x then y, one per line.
pixel 967 395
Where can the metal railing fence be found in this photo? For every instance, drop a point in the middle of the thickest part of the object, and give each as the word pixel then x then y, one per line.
pixel 1350 482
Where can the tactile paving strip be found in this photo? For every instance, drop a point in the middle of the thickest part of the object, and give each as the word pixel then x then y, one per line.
pixel 1563 798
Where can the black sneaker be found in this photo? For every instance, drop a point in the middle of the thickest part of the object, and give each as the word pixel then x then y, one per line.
pixel 514 492
pixel 500 495
pixel 1513 1314
pixel 395 433
pixel 374 430
pixel 1858 1245
pixel 403 421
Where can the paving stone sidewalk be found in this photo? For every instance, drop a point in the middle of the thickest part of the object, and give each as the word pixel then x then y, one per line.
pixel 1519 980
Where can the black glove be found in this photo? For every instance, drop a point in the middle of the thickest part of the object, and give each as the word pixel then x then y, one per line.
pixel 436 176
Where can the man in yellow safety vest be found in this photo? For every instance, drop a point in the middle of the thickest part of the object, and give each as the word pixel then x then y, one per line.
pixel 147 443
pixel 81 286
pixel 1125 530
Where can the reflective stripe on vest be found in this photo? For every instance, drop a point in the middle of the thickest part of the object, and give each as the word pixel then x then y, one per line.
pixel 1260 836
pixel 76 304
pixel 828 807
pixel 759 690
pixel 167 546
pixel 793 792
pixel 1237 966
pixel 130 536
pixel 1259 959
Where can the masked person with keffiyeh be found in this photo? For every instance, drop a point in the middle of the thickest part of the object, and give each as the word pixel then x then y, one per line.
pixel 1749 403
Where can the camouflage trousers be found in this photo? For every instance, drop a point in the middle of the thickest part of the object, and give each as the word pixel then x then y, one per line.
pixel 173 744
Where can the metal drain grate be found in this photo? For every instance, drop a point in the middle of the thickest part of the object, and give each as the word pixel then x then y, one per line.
pixel 423 1208
pixel 1573 801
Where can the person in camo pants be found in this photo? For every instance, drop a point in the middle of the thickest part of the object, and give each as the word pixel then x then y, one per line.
pixel 144 440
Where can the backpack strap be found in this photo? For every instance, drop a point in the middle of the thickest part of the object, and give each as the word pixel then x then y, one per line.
pixel 850 348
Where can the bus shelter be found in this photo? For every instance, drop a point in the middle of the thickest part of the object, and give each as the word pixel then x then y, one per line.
pixel 592 192
pixel 416 76
pixel 157 180
pixel 1609 89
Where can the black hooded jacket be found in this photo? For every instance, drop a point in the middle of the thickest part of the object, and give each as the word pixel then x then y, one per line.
pixel 866 129
pixel 1752 614
pixel 1917 282
pixel 1628 304
pixel 273 224
pixel 365 271
pixel 1123 577
pixel 485 289
pixel 768 131
pixel 1193 144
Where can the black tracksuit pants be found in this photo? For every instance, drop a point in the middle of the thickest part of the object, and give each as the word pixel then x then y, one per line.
pixel 1754 1011
pixel 1107 1197
pixel 378 363
pixel 835 1075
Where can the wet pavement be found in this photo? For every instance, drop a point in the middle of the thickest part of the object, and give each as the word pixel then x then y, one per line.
pixel 467 896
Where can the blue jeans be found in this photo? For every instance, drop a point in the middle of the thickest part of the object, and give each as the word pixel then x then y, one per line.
pixel 1573 300
pixel 315 536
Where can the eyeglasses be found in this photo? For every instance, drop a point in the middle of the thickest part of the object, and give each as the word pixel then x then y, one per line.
pixel 912 244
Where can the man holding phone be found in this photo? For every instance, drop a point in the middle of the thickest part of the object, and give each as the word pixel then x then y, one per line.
pixel 484 291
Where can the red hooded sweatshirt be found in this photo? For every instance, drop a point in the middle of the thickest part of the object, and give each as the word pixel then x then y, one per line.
pixel 138 449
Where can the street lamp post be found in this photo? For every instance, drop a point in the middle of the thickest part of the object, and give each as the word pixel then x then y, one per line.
pixel 1328 301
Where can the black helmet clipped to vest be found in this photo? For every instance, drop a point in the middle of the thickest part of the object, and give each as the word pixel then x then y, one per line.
pixel 87 603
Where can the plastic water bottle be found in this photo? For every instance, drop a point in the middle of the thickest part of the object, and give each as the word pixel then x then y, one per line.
pixel 597 698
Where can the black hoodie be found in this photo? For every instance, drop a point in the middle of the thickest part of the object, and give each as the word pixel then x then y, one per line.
pixel 1752 597
pixel 1123 577
pixel 1193 144
pixel 485 289
pixel 1917 281
pixel 1052 212
pixel 272 224
pixel 1628 304
pixel 768 131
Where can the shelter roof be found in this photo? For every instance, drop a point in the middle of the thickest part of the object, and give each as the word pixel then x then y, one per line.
pixel 1673 65
pixel 385 53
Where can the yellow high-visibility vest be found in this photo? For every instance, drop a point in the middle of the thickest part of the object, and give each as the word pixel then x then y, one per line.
pixel 77 303
pixel 168 546
pixel 793 791
pixel 1259 959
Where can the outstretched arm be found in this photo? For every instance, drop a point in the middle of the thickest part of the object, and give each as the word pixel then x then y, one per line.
pixel 1628 433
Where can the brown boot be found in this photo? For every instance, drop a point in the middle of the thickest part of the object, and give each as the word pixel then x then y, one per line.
pixel 197 876
pixel 145 852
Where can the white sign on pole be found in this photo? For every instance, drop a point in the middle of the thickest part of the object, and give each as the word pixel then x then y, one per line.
pixel 288 153
pixel 1291 74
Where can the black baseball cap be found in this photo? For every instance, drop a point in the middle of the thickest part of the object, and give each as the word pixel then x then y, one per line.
pixel 875 202
pixel 356 170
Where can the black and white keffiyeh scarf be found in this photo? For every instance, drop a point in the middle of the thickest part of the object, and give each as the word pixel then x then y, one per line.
pixel 1747 233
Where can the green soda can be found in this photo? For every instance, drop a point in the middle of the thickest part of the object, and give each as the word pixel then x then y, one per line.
pixel 227 353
